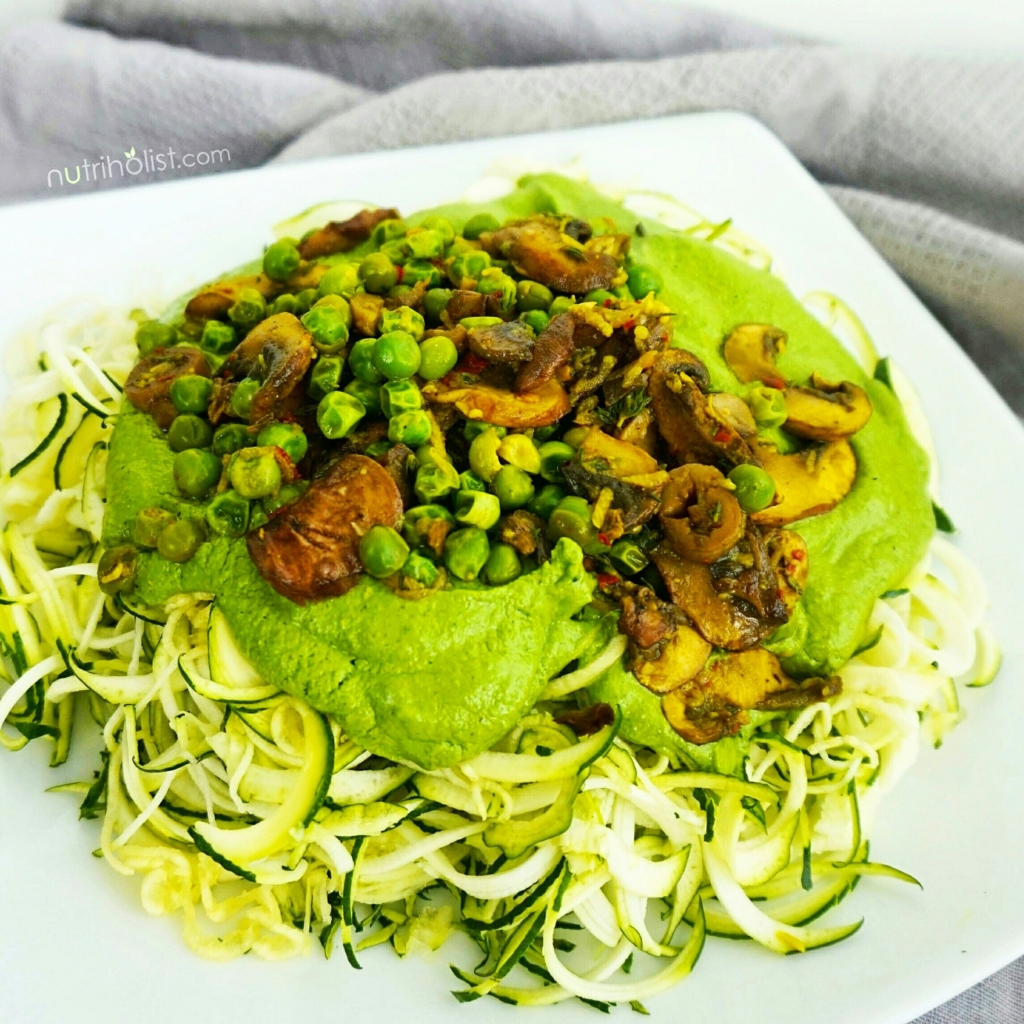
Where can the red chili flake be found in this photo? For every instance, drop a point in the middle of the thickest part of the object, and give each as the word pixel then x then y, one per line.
pixel 629 325
pixel 776 382
pixel 607 579
pixel 401 273
pixel 722 435
pixel 472 363
pixel 797 556
pixel 605 539
pixel 607 303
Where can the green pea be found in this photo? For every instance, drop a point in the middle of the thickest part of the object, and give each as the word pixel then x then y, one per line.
pixel 289 437
pixel 360 361
pixel 438 356
pixel 218 338
pixel 411 428
pixel 285 496
pixel 242 396
pixel 228 514
pixel 546 500
pixel 326 376
pixel 368 394
pixel 535 319
pixel 249 308
pixel 378 448
pixel 254 472
pixel 196 472
pixel 378 273
pixel 386 230
pixel 478 224
pixel 473 323
pixel 396 355
pixel 477 508
pixel 560 304
pixel 441 224
pixel 420 524
pixel 469 481
pixel 399 294
pixel 458 247
pixel 435 302
pixel 483 455
pixel 305 299
pixel 466 552
pixel 117 570
pixel 503 565
pixel 191 393
pixel 642 279
pixel 545 433
pixel 328 327
pixel 402 319
pixel 532 295
pixel 338 302
pixel 565 522
pixel 577 505
pixel 421 569
pixel 396 250
pixel 425 244
pixel 601 296
pixel 227 439
pixel 398 396
pixel 181 539
pixel 382 551
pixel 435 482
pixel 468 267
pixel 285 303
pixel 281 260
pixel 187 431
pixel 341 279
pixel 768 406
pixel 755 489
pixel 513 487
pixel 421 270
pixel 338 413
pixel 575 437
pixel 495 282
pixel 257 517
pixel 148 524
pixel 472 429
pixel 554 455
pixel 628 556
pixel 151 334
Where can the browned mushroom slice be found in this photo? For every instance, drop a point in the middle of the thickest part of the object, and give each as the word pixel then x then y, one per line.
pixel 525 532
pixel 681 410
pixel 462 304
pixel 807 483
pixel 826 411
pixel 788 555
pixel 148 386
pixel 731 411
pixel 551 350
pixel 636 504
pixel 310 550
pixel 720 618
pixel 682 658
pixel 498 406
pixel 396 461
pixel 538 249
pixel 216 299
pixel 640 431
pixel 340 236
pixel 716 702
pixel 366 310
pixel 278 352
pixel 700 516
pixel 620 457
pixel 751 350
pixel 508 343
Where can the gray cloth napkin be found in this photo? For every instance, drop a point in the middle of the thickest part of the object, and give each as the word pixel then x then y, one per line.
pixel 926 156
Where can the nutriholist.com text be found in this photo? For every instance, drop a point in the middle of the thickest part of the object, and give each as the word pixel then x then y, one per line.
pixel 146 161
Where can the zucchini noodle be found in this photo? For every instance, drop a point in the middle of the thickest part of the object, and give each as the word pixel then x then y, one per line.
pixel 257 823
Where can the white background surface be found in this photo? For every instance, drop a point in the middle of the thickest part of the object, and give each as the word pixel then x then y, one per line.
pixel 75 944
pixel 969 28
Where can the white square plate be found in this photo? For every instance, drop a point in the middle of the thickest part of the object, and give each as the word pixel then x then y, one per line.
pixel 75 944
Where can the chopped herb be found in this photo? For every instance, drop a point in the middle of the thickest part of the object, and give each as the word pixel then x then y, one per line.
pixel 805 877
pixel 883 373
pixel 942 520
pixel 637 1007
pixel 871 642
pixel 899 592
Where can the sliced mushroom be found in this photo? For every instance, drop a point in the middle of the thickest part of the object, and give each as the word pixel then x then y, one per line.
pixel 681 410
pixel 731 411
pixel 148 386
pixel 552 349
pixel 750 352
pixel 215 300
pixel 396 461
pixel 826 411
pixel 721 618
pixel 508 343
pixel 621 458
pixel 640 431
pixel 700 516
pixel 366 310
pixel 636 504
pixel 746 576
pixel 788 554
pixel 538 249
pixel 340 236
pixel 682 658
pixel 502 408
pixel 525 532
pixel 716 702
pixel 310 550
pixel 462 304
pixel 277 351
pixel 807 483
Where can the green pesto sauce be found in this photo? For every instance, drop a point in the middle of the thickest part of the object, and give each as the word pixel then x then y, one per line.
pixel 437 680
